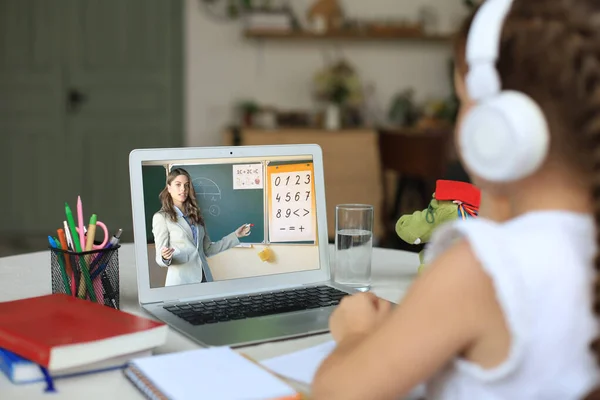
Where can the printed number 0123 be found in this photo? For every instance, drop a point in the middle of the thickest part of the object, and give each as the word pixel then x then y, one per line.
pixel 297 179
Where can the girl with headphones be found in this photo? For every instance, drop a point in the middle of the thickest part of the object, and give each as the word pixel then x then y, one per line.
pixel 506 309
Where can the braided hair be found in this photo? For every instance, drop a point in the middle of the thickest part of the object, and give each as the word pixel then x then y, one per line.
pixel 550 50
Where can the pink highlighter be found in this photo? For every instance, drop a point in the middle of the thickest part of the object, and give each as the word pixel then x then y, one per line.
pixel 81 229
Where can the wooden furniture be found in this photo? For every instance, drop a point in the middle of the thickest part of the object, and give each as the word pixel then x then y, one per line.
pixel 346 36
pixel 358 164
pixel 28 275
pixel 350 158
pixel 417 158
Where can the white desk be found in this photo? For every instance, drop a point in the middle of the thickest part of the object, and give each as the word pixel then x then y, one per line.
pixel 29 275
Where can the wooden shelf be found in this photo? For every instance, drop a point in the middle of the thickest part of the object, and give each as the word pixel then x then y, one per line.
pixel 345 35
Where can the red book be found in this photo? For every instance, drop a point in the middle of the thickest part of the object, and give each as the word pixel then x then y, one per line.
pixel 59 331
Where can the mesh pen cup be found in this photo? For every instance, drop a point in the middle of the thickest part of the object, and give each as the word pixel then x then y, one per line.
pixel 91 275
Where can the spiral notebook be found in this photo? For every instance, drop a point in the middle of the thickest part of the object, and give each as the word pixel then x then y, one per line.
pixel 216 373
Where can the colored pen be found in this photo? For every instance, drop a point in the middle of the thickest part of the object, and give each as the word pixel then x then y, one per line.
pixel 109 291
pixel 113 242
pixel 71 247
pixel 63 271
pixel 108 288
pixel 91 233
pixel 62 240
pixel 84 270
pixel 68 236
pixel 80 224
pixel 115 239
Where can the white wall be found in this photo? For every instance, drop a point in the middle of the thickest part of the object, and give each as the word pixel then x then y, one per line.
pixel 222 66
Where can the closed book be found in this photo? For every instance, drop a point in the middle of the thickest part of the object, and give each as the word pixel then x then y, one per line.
pixel 22 371
pixel 58 331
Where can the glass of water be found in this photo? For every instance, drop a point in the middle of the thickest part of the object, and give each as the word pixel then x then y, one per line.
pixel 353 245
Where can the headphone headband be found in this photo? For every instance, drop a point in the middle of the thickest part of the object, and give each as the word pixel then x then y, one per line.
pixel 483 48
pixel 505 136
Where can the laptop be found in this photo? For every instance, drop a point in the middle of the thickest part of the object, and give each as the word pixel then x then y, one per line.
pixel 275 283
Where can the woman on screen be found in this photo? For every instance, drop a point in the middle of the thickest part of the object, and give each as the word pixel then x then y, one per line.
pixel 180 237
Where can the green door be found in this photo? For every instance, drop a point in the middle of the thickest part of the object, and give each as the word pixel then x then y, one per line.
pixel 116 84
pixel 32 117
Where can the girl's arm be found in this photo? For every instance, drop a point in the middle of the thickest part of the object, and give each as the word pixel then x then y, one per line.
pixel 210 248
pixel 161 237
pixel 442 316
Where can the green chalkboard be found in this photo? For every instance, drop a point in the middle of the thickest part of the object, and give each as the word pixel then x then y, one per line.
pixel 224 208
pixel 154 178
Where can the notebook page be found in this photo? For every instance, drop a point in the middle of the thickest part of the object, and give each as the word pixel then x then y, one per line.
pixel 300 365
pixel 217 373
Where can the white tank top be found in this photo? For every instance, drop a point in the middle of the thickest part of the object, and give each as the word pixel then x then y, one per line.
pixel 541 265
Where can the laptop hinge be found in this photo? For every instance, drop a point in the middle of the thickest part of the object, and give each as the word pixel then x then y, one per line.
pixel 232 294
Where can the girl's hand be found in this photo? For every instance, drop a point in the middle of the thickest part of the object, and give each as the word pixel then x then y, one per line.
pixel 242 231
pixel 357 315
pixel 166 253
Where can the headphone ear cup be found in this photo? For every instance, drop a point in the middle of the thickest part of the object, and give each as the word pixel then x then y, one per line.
pixel 504 138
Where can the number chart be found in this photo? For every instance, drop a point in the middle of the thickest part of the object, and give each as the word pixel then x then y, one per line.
pixel 291 203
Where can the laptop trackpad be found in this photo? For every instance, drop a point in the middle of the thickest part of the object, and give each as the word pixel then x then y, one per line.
pixel 264 328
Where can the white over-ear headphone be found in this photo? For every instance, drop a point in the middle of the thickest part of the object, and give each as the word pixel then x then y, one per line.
pixel 505 136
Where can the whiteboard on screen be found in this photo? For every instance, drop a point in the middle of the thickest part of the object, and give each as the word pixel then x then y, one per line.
pixel 291 202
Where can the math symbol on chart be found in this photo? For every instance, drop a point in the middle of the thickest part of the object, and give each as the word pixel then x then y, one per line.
pixel 206 189
pixel 291 217
pixel 248 176
pixel 214 210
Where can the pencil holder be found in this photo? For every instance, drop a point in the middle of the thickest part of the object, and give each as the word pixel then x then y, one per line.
pixel 91 275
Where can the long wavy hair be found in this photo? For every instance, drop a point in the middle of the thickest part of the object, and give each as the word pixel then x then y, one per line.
pixel 191 209
pixel 550 50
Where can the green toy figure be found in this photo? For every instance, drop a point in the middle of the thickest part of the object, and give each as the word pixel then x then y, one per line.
pixel 451 200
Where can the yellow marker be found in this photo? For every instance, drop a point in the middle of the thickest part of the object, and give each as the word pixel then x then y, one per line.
pixel 266 254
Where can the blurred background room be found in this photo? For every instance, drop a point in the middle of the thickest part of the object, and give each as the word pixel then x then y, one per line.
pixel 83 82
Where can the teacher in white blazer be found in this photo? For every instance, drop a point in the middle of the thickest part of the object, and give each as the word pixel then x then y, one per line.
pixel 180 238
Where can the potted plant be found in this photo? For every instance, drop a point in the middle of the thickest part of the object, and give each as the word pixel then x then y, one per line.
pixel 339 88
pixel 472 3
pixel 247 110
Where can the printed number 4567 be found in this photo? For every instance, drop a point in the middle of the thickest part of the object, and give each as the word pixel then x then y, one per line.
pixel 288 196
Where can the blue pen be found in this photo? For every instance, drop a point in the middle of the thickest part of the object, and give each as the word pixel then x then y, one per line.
pixel 111 243
pixel 109 291
pixel 63 271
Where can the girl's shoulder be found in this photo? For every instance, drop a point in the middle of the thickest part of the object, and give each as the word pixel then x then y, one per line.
pixel 160 215
pixel 450 232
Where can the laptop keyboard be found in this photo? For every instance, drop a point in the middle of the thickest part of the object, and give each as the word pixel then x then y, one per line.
pixel 257 305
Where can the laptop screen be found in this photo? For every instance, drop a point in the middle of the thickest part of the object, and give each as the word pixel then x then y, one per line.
pixel 210 220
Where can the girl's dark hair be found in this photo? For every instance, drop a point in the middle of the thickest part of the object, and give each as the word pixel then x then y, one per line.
pixel 191 208
pixel 550 50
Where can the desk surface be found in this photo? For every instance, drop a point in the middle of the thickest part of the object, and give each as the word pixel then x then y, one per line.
pixel 29 275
